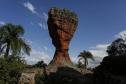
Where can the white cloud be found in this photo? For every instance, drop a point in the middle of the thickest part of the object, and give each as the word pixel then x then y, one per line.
pixel 74 59
pixel 2 23
pixel 102 46
pixel 31 23
pixel 30 7
pixel 95 63
pixel 42 25
pixel 42 16
pixel 99 53
pixel 45 16
pixel 45 48
pixel 37 56
pixel 29 42
pixel 99 50
pixel 121 34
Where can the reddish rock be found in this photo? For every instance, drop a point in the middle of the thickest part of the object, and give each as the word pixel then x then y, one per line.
pixel 61 25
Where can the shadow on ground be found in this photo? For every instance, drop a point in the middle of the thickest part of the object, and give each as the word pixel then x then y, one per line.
pixel 112 70
pixel 66 75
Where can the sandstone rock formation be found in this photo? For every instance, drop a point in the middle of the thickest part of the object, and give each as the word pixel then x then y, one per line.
pixel 28 75
pixel 61 25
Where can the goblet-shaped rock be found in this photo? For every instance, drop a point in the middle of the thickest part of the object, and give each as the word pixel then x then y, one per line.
pixel 61 25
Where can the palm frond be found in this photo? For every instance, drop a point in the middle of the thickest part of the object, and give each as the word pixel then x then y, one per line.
pixel 11 34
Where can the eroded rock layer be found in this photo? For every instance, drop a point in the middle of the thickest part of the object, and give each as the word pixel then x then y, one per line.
pixel 62 24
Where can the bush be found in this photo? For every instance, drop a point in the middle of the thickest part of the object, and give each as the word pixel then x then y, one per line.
pixel 10 70
pixel 39 79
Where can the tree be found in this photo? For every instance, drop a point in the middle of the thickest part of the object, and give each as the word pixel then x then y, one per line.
pixel 40 78
pixel 40 64
pixel 117 48
pixel 11 41
pixel 85 55
pixel 12 45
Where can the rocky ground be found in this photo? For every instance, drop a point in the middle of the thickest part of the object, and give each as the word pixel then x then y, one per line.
pixel 112 70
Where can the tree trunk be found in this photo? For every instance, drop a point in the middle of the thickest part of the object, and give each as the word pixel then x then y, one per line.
pixel 85 62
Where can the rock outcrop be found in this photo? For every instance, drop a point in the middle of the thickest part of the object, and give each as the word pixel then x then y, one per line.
pixel 28 75
pixel 61 25
pixel 67 75
pixel 115 64
pixel 112 70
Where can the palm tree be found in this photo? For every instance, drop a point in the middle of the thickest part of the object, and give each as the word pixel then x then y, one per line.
pixel 11 41
pixel 85 55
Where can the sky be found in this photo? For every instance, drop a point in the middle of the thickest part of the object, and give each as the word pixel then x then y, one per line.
pixel 100 22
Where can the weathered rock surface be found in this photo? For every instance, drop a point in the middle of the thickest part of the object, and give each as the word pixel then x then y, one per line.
pixel 61 25
pixel 67 75
pixel 28 76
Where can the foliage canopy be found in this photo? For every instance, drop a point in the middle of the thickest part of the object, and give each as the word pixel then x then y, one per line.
pixel 117 48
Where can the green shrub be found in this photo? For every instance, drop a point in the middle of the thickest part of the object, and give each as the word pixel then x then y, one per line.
pixel 39 79
pixel 10 70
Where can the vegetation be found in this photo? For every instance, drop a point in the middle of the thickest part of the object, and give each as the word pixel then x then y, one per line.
pixel 39 79
pixel 41 76
pixel 12 46
pixel 11 41
pixel 117 48
pixel 10 71
pixel 64 14
pixel 40 64
pixel 85 55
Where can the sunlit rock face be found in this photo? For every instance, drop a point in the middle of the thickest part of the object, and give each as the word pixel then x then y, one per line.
pixel 62 24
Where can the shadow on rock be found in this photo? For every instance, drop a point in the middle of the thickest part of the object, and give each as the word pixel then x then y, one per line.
pixel 111 71
pixel 66 75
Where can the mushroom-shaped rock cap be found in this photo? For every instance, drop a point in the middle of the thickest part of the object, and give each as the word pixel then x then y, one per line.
pixel 64 14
